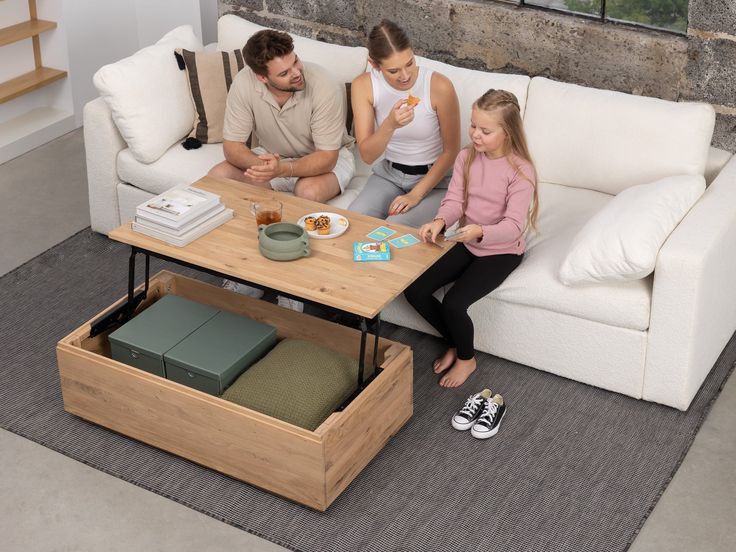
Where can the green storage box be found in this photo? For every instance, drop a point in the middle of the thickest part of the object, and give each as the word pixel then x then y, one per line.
pixel 191 343
pixel 217 352
pixel 143 341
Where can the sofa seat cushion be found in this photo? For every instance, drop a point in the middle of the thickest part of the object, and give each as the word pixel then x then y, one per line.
pixel 179 166
pixel 175 167
pixel 563 212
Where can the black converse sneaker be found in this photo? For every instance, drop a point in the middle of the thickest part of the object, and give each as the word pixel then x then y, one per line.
pixel 489 421
pixel 468 414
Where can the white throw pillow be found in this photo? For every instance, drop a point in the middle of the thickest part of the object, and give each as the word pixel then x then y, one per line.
pixel 622 240
pixel 149 95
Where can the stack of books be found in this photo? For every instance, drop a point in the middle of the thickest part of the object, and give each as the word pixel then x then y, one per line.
pixel 180 215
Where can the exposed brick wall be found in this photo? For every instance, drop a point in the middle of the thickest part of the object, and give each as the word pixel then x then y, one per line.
pixel 497 35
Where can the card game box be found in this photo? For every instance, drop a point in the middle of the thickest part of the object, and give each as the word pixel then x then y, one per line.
pixel 371 251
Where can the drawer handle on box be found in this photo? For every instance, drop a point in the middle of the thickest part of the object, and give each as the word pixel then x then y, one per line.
pixel 134 354
pixel 191 375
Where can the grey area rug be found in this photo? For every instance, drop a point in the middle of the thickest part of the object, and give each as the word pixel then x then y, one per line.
pixel 573 468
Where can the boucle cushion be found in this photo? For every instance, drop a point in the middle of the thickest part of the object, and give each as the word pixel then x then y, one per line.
pixel 209 75
pixel 471 84
pixel 622 240
pixel 299 382
pixel 536 284
pixel 607 141
pixel 148 95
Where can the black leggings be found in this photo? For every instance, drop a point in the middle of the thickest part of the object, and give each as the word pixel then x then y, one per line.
pixel 474 277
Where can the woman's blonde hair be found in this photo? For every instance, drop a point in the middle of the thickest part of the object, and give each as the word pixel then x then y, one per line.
pixel 506 104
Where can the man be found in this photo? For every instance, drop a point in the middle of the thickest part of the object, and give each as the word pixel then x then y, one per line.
pixel 295 112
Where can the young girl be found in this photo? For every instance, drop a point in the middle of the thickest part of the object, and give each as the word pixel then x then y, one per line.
pixel 419 140
pixel 492 189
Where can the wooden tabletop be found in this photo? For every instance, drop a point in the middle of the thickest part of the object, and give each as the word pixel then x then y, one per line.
pixel 328 275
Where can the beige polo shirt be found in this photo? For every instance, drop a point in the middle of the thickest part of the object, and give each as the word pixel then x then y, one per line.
pixel 312 119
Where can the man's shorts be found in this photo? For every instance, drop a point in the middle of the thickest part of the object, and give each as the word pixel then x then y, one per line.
pixel 344 171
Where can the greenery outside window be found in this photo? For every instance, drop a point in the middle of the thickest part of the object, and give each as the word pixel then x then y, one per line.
pixel 670 15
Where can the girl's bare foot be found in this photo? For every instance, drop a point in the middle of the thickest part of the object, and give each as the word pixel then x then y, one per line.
pixel 445 361
pixel 459 372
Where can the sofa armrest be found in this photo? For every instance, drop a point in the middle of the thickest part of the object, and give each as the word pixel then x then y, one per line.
pixel 102 143
pixel 693 312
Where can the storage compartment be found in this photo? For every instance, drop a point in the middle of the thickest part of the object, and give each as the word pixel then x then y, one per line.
pixel 309 467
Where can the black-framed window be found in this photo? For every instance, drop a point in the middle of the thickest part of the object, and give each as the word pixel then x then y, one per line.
pixel 669 15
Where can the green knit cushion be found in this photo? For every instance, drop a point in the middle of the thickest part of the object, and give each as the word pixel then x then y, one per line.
pixel 299 382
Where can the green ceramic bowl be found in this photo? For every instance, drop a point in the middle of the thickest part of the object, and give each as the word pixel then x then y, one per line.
pixel 283 241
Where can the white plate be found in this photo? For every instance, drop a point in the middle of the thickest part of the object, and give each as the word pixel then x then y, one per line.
pixel 338 225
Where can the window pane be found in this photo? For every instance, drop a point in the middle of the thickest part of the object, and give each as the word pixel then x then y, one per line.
pixel 666 14
pixel 591 7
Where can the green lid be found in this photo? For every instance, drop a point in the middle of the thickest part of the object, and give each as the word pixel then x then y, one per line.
pixel 162 325
pixel 223 347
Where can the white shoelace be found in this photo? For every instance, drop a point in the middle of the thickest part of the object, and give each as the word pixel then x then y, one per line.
pixel 471 406
pixel 489 413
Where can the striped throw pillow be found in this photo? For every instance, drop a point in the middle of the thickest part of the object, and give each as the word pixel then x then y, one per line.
pixel 210 75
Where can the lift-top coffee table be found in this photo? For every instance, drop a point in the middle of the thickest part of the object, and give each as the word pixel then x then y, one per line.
pixel 310 467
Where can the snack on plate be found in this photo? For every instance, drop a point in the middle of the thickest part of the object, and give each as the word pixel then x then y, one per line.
pixel 412 100
pixel 310 224
pixel 323 225
pixel 342 221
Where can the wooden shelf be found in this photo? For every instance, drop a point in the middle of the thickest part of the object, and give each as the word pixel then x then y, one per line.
pixel 28 82
pixel 27 29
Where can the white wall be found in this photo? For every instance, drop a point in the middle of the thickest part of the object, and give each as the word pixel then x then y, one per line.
pixel 91 33
pixel 105 31
pixel 17 58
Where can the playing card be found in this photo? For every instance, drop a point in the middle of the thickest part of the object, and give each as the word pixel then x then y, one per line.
pixel 404 241
pixel 381 233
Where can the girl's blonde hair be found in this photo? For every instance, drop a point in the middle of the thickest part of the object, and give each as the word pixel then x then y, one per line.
pixel 506 104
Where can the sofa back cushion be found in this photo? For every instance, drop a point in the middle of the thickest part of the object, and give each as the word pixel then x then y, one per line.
pixel 471 85
pixel 343 62
pixel 608 141
pixel 148 95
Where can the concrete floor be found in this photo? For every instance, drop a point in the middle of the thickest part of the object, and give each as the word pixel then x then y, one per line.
pixel 52 503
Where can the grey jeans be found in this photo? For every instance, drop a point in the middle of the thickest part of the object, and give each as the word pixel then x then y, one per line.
pixel 385 184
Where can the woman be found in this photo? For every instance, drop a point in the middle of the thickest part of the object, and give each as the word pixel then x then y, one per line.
pixel 419 138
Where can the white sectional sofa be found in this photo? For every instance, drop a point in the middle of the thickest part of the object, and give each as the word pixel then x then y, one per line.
pixel 653 338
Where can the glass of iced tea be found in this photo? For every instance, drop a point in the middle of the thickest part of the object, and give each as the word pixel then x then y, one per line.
pixel 266 211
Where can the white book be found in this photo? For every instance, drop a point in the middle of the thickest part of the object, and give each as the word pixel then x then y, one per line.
pixel 187 237
pixel 178 205
pixel 173 228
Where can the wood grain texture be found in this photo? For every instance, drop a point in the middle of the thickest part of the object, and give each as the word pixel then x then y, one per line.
pixel 328 276
pixel 24 30
pixel 27 82
pixel 353 438
pixel 311 468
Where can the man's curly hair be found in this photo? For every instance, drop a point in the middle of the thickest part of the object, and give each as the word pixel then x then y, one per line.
pixel 264 46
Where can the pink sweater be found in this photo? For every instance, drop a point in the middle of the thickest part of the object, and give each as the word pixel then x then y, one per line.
pixel 498 200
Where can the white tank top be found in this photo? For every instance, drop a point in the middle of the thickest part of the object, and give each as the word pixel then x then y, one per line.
pixel 419 142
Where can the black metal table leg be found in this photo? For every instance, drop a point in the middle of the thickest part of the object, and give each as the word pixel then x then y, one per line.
pixel 125 311
pixel 376 335
pixel 361 358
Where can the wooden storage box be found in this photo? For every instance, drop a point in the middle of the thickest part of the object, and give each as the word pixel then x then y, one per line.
pixel 309 467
